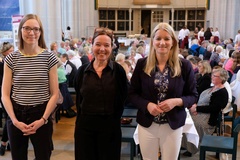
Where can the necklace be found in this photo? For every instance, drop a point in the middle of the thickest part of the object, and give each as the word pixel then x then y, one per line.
pixel 31 55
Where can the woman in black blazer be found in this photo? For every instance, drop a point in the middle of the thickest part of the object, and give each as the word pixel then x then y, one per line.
pixel 162 86
pixel 204 76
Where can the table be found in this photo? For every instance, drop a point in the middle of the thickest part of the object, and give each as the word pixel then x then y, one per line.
pixel 189 129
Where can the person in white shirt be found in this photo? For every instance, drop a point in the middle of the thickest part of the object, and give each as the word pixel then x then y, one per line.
pixel 201 35
pixel 216 35
pixel 74 59
pixel 68 34
pixel 181 36
pixel 186 35
pixel 237 37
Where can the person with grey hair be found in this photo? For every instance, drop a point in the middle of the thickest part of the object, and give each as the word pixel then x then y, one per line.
pixel 208 53
pixel 74 58
pixel 205 112
pixel 215 58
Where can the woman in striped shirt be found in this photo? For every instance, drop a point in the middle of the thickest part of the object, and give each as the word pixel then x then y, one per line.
pixel 30 91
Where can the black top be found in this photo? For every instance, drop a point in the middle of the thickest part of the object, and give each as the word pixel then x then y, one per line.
pixel 71 76
pixel 101 96
pixel 236 69
pixel 203 82
pixel 207 35
pixel 84 59
pixel 1 72
pixel 218 101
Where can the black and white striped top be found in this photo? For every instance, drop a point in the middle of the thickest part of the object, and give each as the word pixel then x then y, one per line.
pixel 31 76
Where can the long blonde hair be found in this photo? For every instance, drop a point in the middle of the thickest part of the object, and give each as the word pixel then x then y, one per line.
pixel 173 59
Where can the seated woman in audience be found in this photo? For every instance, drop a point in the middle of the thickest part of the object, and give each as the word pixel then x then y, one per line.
pixel 215 58
pixel 235 87
pixel 228 108
pixel 194 62
pixel 204 76
pixel 235 65
pixel 205 112
pixel 228 64
pixel 67 99
pixel 54 48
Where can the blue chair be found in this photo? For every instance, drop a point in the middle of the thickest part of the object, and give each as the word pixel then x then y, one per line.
pixel 220 144
pixel 231 118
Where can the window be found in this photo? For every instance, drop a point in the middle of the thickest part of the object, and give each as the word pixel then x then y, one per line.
pixel 195 19
pixel 117 20
pixel 157 16
pixel 191 18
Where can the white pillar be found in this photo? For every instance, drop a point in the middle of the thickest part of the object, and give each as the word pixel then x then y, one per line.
pixel 172 10
pixel 130 20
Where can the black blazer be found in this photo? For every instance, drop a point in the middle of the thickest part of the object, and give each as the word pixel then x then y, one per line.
pixel 142 92
pixel 203 82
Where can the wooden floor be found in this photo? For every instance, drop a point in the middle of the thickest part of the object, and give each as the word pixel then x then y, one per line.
pixel 63 144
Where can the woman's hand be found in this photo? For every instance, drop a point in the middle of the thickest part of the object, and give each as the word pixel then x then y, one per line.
pixel 169 104
pixel 193 109
pixel 33 127
pixel 153 109
pixel 26 129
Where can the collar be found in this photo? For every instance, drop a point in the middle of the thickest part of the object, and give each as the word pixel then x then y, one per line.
pixel 90 66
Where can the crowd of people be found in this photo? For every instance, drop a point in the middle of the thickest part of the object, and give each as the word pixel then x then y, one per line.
pixel 160 78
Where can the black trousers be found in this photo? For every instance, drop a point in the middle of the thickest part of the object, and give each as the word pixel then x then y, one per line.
pixel 41 140
pixel 97 138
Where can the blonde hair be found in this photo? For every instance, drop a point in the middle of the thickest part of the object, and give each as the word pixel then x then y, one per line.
pixel 206 66
pixel 173 59
pixel 120 57
pixel 52 45
pixel 140 50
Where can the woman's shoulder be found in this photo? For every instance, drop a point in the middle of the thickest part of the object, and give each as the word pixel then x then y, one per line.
pixel 185 64
pixel 142 61
pixel 222 91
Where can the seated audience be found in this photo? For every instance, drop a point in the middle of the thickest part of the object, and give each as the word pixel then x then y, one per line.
pixel 204 76
pixel 194 61
pixel 67 99
pixel 236 65
pixel 208 53
pixel 83 53
pixel 54 48
pixel 61 49
pixel 235 87
pixel 228 64
pixel 5 49
pixel 75 59
pixel 205 113
pixel 228 108
pixel 70 69
pixel 215 58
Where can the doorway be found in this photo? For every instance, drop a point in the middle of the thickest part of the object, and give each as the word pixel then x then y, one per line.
pixel 146 21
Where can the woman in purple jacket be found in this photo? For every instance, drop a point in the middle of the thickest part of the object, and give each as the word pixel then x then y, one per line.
pixel 162 86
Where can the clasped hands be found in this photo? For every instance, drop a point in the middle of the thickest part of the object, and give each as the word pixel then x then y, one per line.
pixel 30 128
pixel 162 107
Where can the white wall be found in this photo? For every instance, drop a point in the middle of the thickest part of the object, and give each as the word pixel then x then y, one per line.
pixel 224 14
pixel 56 15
